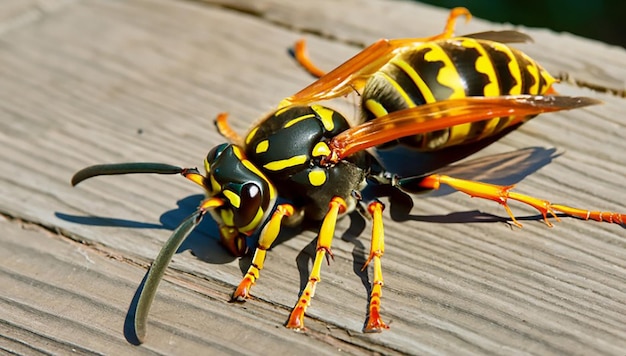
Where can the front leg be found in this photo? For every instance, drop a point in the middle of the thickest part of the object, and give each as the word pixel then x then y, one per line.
pixel 267 238
pixel 327 231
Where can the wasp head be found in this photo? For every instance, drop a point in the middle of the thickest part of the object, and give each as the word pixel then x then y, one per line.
pixel 247 194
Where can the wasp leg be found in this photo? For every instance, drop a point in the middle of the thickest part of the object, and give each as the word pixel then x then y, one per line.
pixel 377 249
pixel 352 74
pixel 501 194
pixel 448 30
pixel 324 240
pixel 301 56
pixel 221 122
pixel 303 59
pixel 267 238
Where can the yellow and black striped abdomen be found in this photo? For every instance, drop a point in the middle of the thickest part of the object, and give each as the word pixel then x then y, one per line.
pixel 448 69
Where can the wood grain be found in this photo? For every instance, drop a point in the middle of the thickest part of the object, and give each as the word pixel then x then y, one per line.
pixel 96 81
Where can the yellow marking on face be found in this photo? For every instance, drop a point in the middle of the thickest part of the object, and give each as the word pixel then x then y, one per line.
pixel 251 134
pixel 417 79
pixel 256 171
pixel 326 115
pixel 233 198
pixel 320 149
pixel 227 217
pixel 254 223
pixel 485 66
pixel 262 146
pixel 207 166
pixel 215 186
pixel 238 153
pixel 298 119
pixel 317 177
pixel 375 108
pixel 448 75
pixel 285 163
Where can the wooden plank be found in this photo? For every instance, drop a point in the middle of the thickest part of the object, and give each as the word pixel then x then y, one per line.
pixel 142 80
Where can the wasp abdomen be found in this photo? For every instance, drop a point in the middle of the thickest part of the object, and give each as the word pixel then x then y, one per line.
pixel 449 69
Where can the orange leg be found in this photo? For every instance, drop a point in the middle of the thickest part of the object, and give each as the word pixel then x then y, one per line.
pixel 353 74
pixel 221 122
pixel 301 56
pixel 377 249
pixel 448 30
pixel 267 238
pixel 501 194
pixel 324 240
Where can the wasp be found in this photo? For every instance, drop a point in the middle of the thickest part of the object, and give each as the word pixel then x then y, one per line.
pixel 430 93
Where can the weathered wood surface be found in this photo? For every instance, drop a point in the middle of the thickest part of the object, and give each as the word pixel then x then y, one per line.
pixel 86 82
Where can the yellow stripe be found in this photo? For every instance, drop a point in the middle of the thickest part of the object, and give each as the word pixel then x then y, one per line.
pixel 233 198
pixel 326 115
pixel 254 223
pixel 262 146
pixel 227 217
pixel 515 72
pixel 534 72
pixel 458 134
pixel 282 106
pixel 514 69
pixel 285 163
pixel 251 134
pixel 298 119
pixel 490 127
pixel 215 186
pixel 256 171
pixel 448 75
pixel 421 85
pixel 375 108
pixel 399 89
pixel 207 166
pixel 548 78
pixel 246 163
pixel 238 153
pixel 484 65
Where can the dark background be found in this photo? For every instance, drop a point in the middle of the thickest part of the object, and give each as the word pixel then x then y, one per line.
pixel 603 20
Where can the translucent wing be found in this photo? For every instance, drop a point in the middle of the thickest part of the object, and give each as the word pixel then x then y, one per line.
pixel 506 36
pixel 354 72
pixel 444 114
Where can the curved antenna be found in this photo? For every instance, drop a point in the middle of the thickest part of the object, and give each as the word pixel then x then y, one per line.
pixel 155 274
pixel 158 269
pixel 124 168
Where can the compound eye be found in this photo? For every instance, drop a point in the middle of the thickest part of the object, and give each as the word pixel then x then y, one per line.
pixel 215 152
pixel 250 202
